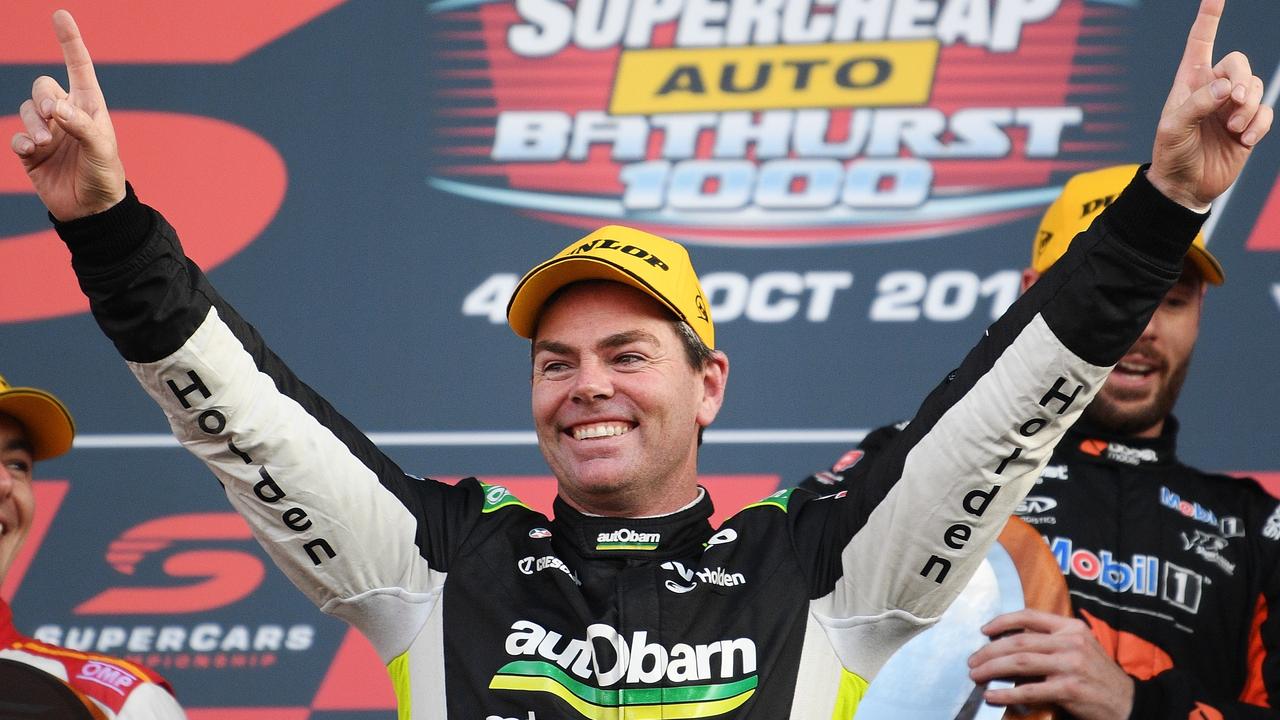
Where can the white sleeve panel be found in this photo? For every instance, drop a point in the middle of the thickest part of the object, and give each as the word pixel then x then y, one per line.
pixel 321 514
pixel 959 485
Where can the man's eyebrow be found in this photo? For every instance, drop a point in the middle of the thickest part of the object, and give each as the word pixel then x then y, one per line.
pixel 19 444
pixel 626 338
pixel 551 346
pixel 613 341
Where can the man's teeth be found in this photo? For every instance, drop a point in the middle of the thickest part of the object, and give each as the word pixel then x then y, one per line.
pixel 1133 367
pixel 584 432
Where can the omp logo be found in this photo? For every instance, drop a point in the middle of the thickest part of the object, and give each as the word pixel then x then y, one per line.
pixel 1141 576
pixel 221 576
pixel 627 539
pixel 1187 508
pixel 109 676
pixel 686 680
pixel 775 123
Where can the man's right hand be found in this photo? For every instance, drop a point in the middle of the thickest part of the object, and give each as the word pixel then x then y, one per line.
pixel 1213 118
pixel 68 146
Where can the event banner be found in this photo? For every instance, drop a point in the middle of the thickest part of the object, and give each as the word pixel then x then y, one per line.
pixel 858 181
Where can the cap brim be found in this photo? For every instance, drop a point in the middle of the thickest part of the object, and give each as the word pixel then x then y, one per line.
pixel 1208 265
pixel 47 421
pixel 543 281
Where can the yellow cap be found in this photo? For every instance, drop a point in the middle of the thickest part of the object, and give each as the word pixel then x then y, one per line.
pixel 1083 198
pixel 651 264
pixel 47 421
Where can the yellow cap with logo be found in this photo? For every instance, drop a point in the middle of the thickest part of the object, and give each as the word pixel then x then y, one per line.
pixel 47 421
pixel 651 264
pixel 1083 198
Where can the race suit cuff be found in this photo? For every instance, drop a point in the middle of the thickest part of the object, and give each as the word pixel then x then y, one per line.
pixel 103 239
pixel 1152 224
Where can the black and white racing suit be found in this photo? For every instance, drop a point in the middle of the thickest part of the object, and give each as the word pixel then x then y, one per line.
pixel 483 609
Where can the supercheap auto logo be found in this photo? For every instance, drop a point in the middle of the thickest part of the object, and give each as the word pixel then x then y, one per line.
pixel 807 121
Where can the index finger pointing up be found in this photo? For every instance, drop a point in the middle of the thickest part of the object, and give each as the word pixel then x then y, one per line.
pixel 1198 55
pixel 80 75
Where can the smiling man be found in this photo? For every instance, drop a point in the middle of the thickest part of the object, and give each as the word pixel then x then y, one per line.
pixel 35 425
pixel 628 603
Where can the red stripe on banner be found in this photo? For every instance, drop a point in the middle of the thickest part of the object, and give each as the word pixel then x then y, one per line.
pixel 598 175
pixel 1266 232
pixel 174 32
pixel 48 496
pixel 1101 146
pixel 465 150
pixel 261 713
pixel 473 170
pixel 356 679
pixel 780 237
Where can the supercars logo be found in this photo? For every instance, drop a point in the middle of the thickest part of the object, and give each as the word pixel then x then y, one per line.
pixel 798 122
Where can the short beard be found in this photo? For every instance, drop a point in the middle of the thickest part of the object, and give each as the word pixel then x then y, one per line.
pixel 1112 417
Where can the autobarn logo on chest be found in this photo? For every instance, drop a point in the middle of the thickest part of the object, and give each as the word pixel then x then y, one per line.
pixel 699 680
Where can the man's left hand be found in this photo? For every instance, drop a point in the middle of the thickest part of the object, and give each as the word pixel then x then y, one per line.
pixel 1054 660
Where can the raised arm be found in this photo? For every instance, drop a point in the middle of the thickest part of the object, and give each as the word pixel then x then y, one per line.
pixel 941 490
pixel 363 540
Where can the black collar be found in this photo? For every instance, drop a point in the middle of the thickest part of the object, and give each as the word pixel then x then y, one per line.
pixel 1088 442
pixel 668 536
